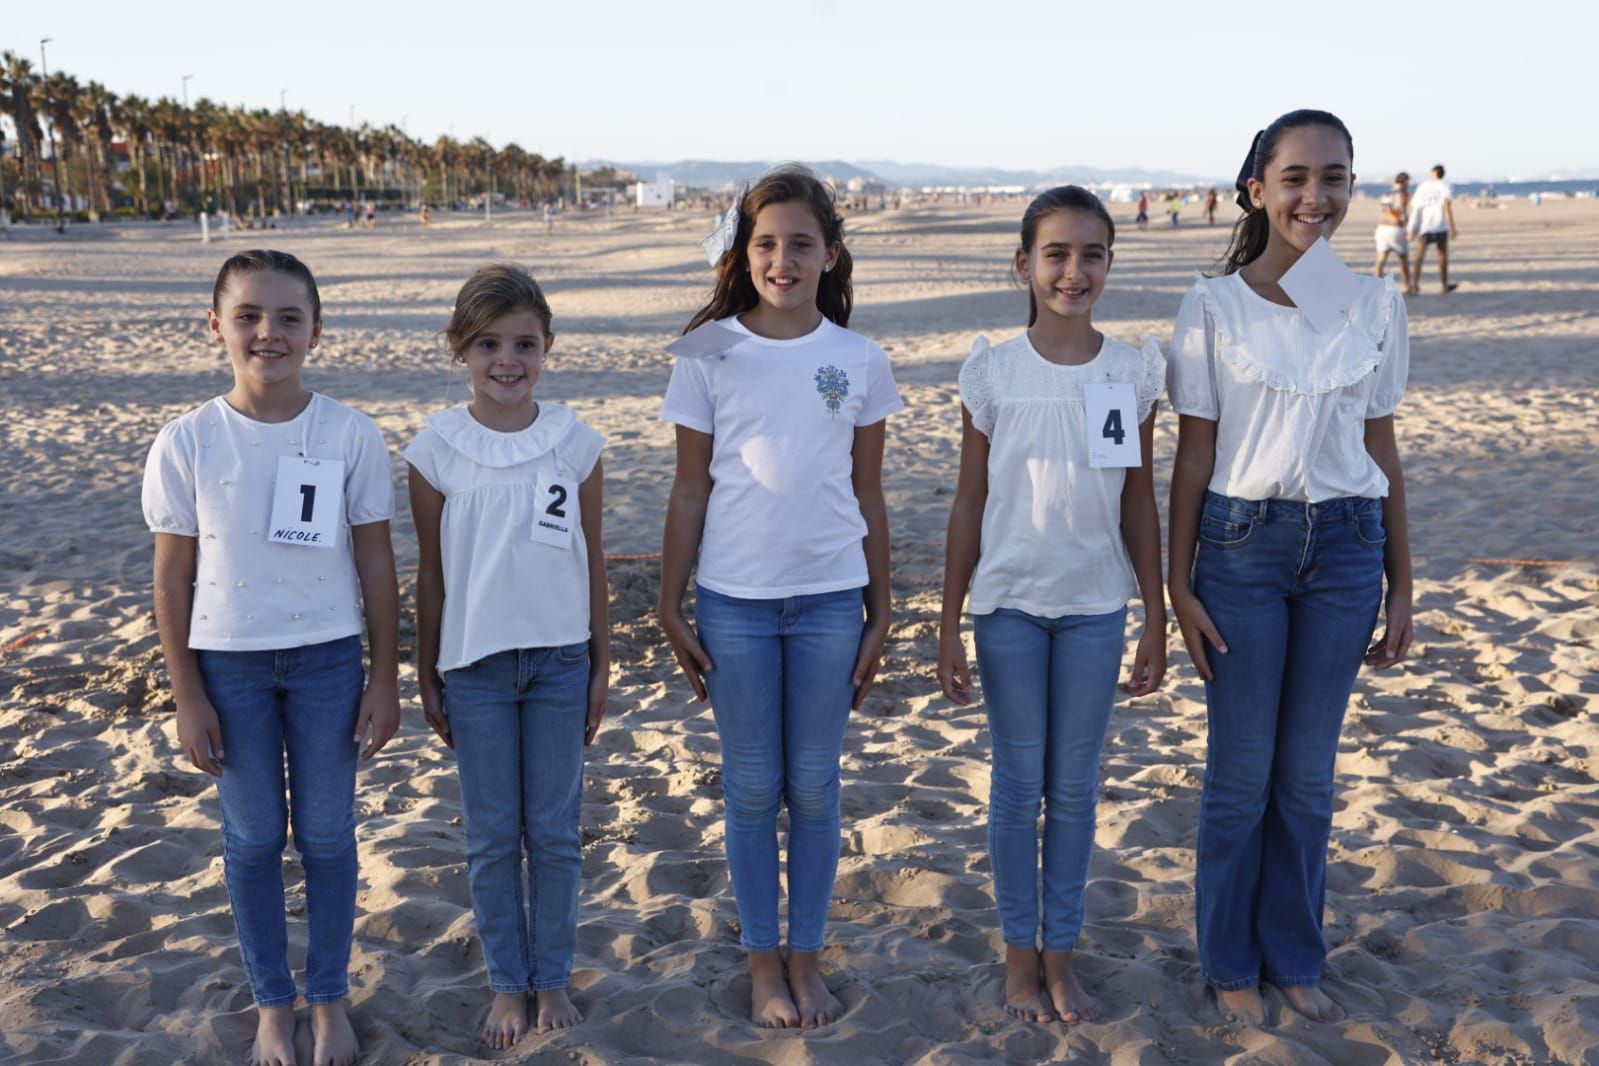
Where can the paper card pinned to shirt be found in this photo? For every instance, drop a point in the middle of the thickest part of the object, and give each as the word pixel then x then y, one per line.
pixel 710 339
pixel 307 502
pixel 1110 415
pixel 1321 286
pixel 726 232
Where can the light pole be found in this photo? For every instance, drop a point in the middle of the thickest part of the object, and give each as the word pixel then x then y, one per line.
pixel 194 179
pixel 55 157
pixel 288 181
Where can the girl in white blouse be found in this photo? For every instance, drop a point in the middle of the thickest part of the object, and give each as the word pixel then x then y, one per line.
pixel 512 645
pixel 1055 511
pixel 1287 507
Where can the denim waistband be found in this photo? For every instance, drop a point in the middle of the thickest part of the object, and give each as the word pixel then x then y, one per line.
pixel 1340 508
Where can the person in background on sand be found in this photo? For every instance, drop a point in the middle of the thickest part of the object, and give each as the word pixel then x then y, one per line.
pixel 549 217
pixel 1143 209
pixel 1210 207
pixel 513 647
pixel 1432 222
pixel 371 214
pixel 1058 545
pixel 1174 206
pixel 1390 236
pixel 1278 555
pixel 779 498
pixel 425 214
pixel 270 507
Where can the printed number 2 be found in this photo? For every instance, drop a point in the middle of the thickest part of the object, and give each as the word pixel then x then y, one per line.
pixel 1113 427
pixel 309 504
pixel 557 505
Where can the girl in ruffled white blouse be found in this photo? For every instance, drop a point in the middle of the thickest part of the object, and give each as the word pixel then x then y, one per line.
pixel 1055 511
pixel 512 644
pixel 1287 507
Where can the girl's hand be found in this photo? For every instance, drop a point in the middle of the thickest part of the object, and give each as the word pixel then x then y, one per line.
pixel 867 662
pixel 691 658
pixel 599 692
pixel 433 707
pixel 1196 626
pixel 1149 662
pixel 954 677
pixel 1395 642
pixel 200 734
pixel 379 718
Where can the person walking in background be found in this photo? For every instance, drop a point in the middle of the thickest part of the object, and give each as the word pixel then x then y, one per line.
pixel 1390 236
pixel 1174 206
pixel 1210 207
pixel 1143 209
pixel 1432 221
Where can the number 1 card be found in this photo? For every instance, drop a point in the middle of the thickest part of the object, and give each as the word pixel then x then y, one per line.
pixel 307 502
pixel 1112 424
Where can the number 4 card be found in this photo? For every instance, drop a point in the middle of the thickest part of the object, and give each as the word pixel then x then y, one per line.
pixel 554 510
pixel 307 502
pixel 1112 424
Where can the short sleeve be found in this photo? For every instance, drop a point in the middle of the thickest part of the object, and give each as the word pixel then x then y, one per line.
pixel 882 395
pixel 1153 382
pixel 581 450
pixel 423 455
pixel 977 388
pixel 1190 372
pixel 1394 371
pixel 688 397
pixel 168 494
pixel 368 482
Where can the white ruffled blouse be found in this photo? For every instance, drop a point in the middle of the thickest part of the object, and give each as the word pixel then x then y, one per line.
pixel 1290 404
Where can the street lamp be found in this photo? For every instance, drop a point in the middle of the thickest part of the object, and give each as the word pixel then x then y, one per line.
pixel 55 157
pixel 194 179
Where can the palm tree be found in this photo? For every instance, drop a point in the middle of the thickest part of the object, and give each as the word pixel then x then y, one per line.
pixel 98 118
pixel 57 97
pixel 135 118
pixel 17 90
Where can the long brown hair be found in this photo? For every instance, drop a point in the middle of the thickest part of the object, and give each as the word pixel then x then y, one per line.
pixel 1253 230
pixel 491 292
pixel 1060 198
pixel 734 292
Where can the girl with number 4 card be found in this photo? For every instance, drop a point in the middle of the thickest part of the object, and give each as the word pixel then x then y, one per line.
pixel 270 507
pixel 513 648
pixel 1287 508
pixel 1055 513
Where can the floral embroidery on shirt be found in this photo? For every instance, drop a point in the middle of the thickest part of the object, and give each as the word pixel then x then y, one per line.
pixel 833 384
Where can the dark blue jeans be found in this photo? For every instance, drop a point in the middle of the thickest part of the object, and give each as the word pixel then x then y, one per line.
pixel 303 703
pixel 1293 589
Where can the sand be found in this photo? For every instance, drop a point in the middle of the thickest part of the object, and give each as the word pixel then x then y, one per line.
pixel 1464 877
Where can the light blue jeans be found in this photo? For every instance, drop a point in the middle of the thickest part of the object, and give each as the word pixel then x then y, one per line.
pixel 1293 589
pixel 517 719
pixel 303 703
pixel 1049 684
pixel 780 690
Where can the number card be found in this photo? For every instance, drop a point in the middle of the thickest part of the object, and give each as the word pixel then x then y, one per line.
pixel 308 502
pixel 554 511
pixel 1112 423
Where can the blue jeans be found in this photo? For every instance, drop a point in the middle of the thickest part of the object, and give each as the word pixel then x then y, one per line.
pixel 1293 589
pixel 1048 684
pixel 517 719
pixel 781 692
pixel 303 702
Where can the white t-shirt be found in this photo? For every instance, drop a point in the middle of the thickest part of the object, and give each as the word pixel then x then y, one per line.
pixel 1052 541
pixel 782 519
pixel 1290 404
pixel 1427 207
pixel 211 475
pixel 502 589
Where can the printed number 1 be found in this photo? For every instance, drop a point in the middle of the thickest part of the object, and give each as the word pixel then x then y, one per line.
pixel 557 505
pixel 1113 427
pixel 309 504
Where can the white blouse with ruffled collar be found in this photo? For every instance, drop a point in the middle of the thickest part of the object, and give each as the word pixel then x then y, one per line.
pixel 1290 404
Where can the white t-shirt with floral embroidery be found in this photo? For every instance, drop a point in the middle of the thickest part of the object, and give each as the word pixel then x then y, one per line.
pixel 1052 542
pixel 782 519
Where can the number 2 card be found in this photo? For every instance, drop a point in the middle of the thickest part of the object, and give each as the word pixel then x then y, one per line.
pixel 1112 423
pixel 555 511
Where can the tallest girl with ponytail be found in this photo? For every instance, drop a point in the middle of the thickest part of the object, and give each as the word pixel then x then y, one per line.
pixel 1287 511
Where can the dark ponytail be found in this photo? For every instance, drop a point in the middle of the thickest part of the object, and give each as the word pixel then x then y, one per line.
pixel 1253 230
pixel 1060 198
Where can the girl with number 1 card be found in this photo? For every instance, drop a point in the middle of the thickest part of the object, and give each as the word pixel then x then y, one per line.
pixel 1055 513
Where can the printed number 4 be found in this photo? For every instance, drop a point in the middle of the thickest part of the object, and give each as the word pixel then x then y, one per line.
pixel 1113 431
pixel 557 505
pixel 309 502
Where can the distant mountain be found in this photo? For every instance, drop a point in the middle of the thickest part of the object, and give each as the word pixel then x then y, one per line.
pixel 716 174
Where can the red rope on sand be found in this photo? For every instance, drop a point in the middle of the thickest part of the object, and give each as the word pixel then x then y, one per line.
pixel 1523 562
pixel 631 558
pixel 27 638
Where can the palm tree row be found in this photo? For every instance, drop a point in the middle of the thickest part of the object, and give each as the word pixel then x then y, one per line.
pixel 229 158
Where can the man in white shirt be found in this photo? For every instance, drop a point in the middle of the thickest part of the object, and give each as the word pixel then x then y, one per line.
pixel 1432 221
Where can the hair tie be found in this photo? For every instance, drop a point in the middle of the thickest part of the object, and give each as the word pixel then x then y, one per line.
pixel 1246 172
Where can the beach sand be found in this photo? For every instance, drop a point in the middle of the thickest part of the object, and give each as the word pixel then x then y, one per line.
pixel 1463 889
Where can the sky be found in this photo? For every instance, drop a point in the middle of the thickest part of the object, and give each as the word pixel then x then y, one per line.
pixel 1493 90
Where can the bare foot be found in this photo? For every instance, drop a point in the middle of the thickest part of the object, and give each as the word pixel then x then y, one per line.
pixel 274 1037
pixel 1071 1002
pixel 1241 1005
pixel 507 1020
pixel 555 1010
pixel 771 1007
pixel 816 1005
pixel 332 1038
pixel 1024 997
pixel 1314 1004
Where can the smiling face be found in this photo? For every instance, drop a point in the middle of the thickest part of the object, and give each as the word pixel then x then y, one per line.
pixel 1305 191
pixel 504 360
pixel 787 256
pixel 265 322
pixel 1067 267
